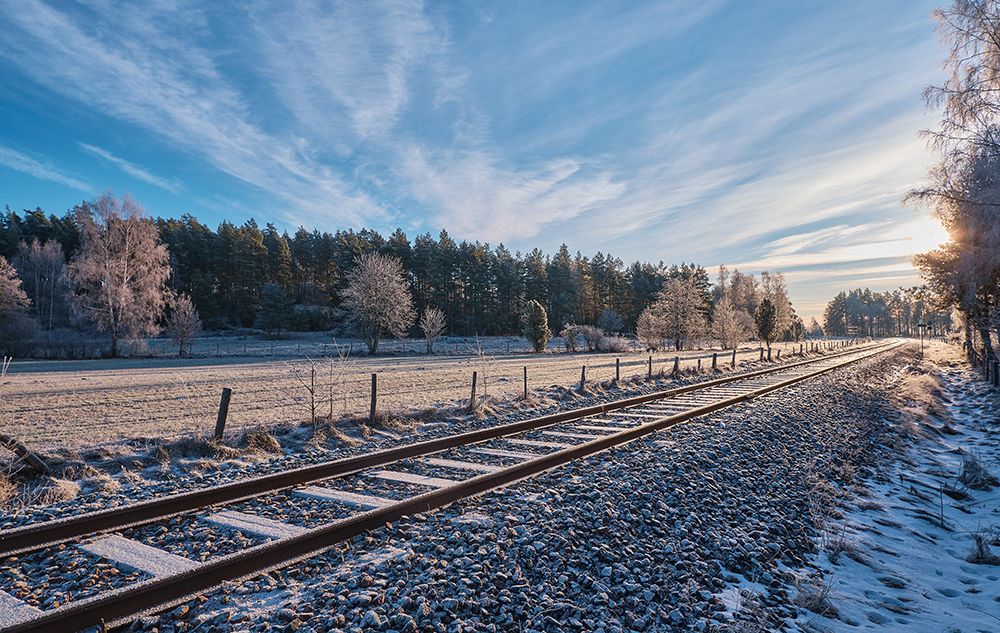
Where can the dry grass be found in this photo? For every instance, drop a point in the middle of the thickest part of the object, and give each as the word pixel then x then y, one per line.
pixel 97 401
pixel 981 553
pixel 8 490
pixel 261 442
pixel 814 595
pixel 59 490
pixel 974 473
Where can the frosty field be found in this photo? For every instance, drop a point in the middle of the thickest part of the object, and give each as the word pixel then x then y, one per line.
pixel 74 403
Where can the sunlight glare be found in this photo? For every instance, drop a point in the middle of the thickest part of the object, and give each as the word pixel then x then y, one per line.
pixel 924 234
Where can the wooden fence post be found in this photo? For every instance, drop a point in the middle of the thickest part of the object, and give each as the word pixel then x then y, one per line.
pixel 220 421
pixel 734 358
pixel 618 369
pixel 583 377
pixel 374 401
pixel 762 354
pixel 779 354
pixel 769 354
pixel 649 373
pixel 29 458
pixel 525 382
pixel 715 361
pixel 677 365
pixel 472 398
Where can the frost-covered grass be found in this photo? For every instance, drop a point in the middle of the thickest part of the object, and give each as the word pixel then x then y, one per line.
pixel 81 403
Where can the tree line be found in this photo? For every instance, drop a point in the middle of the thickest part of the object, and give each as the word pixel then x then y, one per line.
pixel 861 312
pixel 83 270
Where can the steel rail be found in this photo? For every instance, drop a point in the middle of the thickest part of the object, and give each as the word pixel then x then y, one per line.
pixel 49 533
pixel 151 596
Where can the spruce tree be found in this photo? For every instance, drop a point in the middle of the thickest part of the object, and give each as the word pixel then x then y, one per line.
pixel 535 325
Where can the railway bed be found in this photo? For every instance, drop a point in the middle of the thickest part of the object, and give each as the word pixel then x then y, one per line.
pixel 332 502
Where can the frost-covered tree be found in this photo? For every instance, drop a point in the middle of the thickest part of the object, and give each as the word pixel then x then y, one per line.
pixel 730 325
pixel 680 307
pixel 815 330
pixel 964 187
pixel 16 327
pixel 13 299
pixel 773 289
pixel 535 325
pixel 183 323
pixel 766 319
pixel 432 324
pixel 42 268
pixel 120 271
pixel 377 299
pixel 649 329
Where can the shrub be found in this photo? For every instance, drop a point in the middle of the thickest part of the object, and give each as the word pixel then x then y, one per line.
pixel 432 323
pixel 591 336
pixel 975 475
pixel 569 333
pixel 312 318
pixel 613 344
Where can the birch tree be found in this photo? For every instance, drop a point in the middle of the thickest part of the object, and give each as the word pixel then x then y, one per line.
pixel 679 306
pixel 42 268
pixel 120 271
pixel 377 300
pixel 432 324
pixel 649 329
pixel 773 289
pixel 183 324
pixel 730 325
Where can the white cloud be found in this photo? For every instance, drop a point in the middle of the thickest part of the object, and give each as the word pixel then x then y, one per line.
pixel 478 198
pixel 149 69
pixel 136 171
pixel 25 164
pixel 343 69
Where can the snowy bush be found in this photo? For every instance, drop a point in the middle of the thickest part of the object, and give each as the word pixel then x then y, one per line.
pixel 613 344
pixel 569 333
pixel 591 336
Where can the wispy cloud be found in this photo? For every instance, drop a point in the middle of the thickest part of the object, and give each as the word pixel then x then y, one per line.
pixel 486 201
pixel 155 73
pixel 136 171
pixel 344 69
pixel 42 169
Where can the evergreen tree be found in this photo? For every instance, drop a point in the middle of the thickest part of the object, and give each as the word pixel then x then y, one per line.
pixel 275 310
pixel 535 325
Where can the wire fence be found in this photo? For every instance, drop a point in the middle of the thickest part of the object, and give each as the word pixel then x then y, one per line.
pixel 105 403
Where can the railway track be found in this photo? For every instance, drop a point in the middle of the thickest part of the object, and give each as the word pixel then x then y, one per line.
pixel 354 495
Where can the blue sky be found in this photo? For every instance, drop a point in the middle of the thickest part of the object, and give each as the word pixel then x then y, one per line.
pixel 773 135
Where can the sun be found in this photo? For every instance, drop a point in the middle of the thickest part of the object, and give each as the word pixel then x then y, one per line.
pixel 925 234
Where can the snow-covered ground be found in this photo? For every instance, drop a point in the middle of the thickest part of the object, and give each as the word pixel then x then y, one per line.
pixel 918 547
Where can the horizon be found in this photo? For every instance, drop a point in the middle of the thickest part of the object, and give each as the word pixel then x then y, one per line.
pixel 717 134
